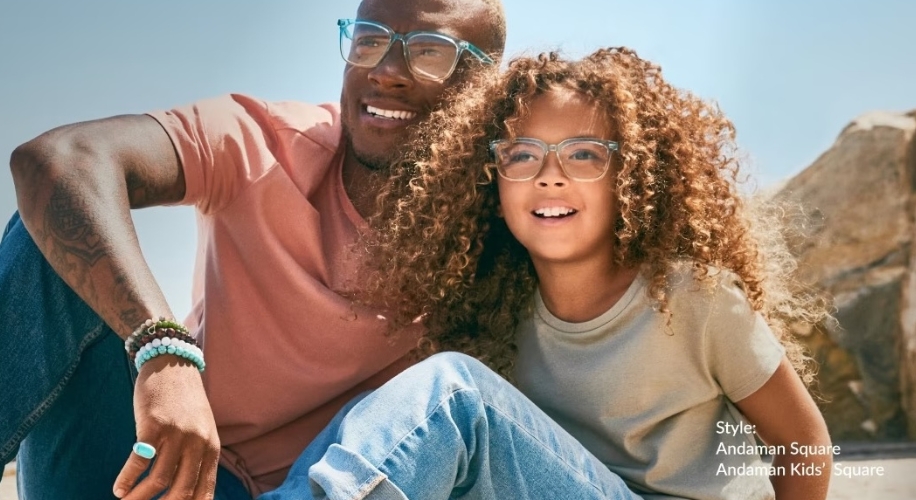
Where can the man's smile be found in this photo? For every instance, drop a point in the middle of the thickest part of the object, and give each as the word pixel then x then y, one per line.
pixel 390 113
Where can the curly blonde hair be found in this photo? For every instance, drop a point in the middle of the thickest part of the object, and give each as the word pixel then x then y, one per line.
pixel 439 250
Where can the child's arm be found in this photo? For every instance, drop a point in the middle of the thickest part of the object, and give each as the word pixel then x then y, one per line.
pixel 783 413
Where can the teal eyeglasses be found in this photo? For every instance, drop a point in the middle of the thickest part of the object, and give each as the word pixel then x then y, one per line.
pixel 429 55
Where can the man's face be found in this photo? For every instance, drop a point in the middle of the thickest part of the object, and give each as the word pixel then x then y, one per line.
pixel 379 104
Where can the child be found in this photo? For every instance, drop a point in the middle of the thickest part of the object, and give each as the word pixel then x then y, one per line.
pixel 575 225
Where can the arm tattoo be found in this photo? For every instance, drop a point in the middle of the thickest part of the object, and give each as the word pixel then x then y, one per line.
pixel 129 305
pixel 76 246
pixel 69 225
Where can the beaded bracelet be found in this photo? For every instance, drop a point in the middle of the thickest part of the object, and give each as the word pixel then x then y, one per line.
pixel 169 345
pixel 154 338
pixel 160 334
pixel 149 328
pixel 152 328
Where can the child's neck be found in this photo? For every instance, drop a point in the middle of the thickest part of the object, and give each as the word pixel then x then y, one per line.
pixel 578 293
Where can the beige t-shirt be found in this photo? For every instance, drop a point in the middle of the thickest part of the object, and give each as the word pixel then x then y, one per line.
pixel 284 349
pixel 649 402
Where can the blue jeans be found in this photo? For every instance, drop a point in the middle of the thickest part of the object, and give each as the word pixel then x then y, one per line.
pixel 447 428
pixel 66 385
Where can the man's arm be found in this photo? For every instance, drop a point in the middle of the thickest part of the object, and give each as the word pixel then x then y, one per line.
pixel 75 186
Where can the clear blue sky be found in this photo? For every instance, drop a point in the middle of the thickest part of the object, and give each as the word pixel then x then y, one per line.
pixel 791 75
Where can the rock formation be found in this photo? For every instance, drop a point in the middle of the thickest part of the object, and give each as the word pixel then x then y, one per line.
pixel 861 198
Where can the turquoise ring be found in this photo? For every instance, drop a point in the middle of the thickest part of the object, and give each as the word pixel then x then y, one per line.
pixel 145 450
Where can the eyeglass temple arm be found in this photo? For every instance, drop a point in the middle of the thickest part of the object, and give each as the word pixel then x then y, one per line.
pixel 479 54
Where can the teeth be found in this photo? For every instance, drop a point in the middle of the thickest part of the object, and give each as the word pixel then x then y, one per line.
pixel 392 114
pixel 554 211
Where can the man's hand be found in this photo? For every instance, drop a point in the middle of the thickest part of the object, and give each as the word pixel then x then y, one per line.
pixel 174 415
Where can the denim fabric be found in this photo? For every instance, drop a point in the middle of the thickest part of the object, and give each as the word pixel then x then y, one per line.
pixel 447 428
pixel 65 383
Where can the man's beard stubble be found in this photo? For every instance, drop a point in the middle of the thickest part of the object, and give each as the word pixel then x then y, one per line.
pixel 375 163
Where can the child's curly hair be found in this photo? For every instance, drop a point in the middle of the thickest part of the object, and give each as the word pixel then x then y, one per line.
pixel 440 250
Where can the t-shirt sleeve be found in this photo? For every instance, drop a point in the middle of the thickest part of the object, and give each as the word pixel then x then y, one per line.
pixel 742 351
pixel 223 145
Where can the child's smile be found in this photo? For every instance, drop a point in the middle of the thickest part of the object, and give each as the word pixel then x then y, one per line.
pixel 553 212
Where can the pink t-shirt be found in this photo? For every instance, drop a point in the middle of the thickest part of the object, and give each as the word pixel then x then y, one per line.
pixel 284 349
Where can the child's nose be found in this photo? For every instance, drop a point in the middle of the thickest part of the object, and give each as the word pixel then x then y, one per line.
pixel 552 173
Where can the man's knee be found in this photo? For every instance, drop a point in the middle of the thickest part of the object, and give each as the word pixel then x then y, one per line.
pixel 457 367
pixel 9 225
pixel 451 360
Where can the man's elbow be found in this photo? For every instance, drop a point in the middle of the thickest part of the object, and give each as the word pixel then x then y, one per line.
pixel 31 165
pixel 37 165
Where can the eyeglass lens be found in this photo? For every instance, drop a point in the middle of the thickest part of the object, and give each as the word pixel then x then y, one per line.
pixel 580 159
pixel 365 44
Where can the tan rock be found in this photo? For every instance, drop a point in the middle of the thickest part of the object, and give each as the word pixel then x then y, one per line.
pixel 859 247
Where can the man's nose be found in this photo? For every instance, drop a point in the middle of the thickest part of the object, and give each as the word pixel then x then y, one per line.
pixel 392 70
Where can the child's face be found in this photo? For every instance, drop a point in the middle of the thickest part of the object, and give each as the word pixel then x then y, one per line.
pixel 586 232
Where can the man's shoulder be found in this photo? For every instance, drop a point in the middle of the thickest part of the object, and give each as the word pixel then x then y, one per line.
pixel 294 116
pixel 318 122
pixel 297 115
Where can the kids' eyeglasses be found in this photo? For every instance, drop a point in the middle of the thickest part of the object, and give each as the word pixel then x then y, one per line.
pixel 429 55
pixel 585 159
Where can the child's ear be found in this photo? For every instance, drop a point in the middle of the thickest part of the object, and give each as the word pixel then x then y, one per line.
pixel 499 211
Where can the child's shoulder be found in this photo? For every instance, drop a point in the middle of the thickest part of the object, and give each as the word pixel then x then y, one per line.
pixel 701 288
pixel 704 299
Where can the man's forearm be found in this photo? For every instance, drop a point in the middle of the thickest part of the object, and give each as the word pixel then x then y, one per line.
pixel 79 217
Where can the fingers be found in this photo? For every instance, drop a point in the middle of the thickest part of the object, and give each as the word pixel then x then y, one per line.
pixel 206 482
pixel 196 477
pixel 133 468
pixel 183 477
pixel 185 481
pixel 160 476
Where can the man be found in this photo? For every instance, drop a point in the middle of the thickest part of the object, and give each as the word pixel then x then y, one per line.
pixel 281 190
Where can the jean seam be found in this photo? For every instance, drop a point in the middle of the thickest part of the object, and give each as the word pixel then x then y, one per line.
pixel 544 445
pixel 518 424
pixel 370 483
pixel 40 410
pixel 364 489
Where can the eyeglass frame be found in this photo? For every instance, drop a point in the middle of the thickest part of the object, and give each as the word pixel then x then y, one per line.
pixel 394 36
pixel 611 146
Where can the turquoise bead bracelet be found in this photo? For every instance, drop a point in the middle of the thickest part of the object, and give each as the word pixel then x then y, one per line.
pixel 155 338
pixel 172 346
